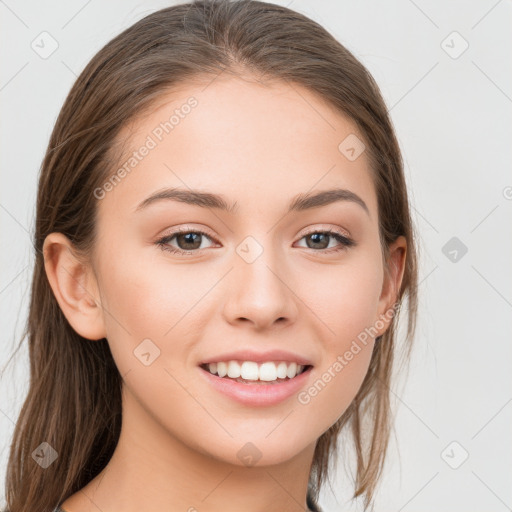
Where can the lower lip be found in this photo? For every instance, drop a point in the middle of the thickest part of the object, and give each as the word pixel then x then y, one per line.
pixel 257 394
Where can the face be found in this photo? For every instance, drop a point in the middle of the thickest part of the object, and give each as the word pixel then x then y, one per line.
pixel 183 281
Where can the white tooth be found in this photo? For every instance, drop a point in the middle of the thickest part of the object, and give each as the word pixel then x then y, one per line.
pixel 233 370
pixel 222 369
pixel 249 370
pixel 281 370
pixel 292 370
pixel 268 372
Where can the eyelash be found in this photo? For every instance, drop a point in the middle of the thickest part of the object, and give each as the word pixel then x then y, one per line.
pixel 344 241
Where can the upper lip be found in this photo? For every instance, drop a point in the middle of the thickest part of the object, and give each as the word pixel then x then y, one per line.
pixel 258 357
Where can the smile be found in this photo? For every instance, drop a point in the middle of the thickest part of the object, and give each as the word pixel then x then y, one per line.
pixel 256 384
pixel 250 371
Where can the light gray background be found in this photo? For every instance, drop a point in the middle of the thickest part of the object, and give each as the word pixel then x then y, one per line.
pixel 453 120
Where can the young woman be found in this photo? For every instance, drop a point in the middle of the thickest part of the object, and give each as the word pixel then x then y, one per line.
pixel 223 246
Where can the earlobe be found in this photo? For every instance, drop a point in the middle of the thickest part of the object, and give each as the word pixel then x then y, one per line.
pixel 74 287
pixel 393 276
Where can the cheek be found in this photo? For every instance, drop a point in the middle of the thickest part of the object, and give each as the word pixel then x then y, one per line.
pixel 348 309
pixel 147 296
pixel 152 300
pixel 345 299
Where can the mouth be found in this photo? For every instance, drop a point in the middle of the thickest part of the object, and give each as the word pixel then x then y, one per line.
pixel 252 384
pixel 252 373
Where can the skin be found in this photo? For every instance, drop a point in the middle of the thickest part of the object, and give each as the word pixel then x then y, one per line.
pixel 259 146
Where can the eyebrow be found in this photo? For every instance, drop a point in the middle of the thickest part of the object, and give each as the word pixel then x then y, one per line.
pixel 299 203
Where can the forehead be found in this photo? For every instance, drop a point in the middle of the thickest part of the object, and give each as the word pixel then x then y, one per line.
pixel 239 138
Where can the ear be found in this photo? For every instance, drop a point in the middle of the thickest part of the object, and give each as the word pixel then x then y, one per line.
pixel 74 286
pixel 393 275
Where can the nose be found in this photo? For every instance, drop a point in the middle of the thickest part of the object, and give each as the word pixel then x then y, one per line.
pixel 261 293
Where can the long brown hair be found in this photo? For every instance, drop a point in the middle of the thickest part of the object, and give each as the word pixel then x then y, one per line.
pixel 74 398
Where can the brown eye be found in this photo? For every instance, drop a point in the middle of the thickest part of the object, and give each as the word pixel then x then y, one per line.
pixel 187 241
pixel 320 240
